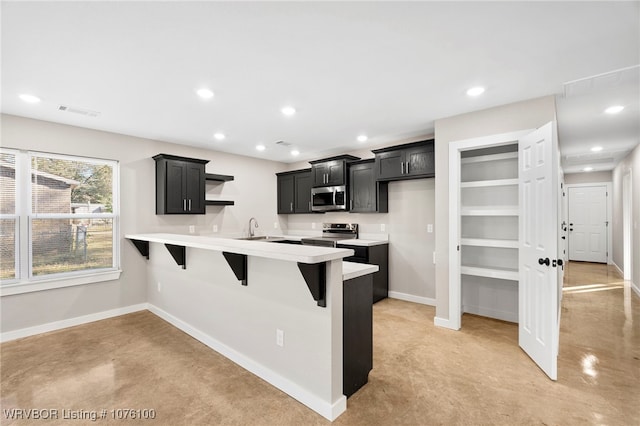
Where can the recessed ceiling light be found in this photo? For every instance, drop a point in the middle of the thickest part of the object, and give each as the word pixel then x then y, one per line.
pixel 219 136
pixel 288 110
pixel 261 147
pixel 587 169
pixel 32 99
pixel 596 149
pixel 614 109
pixel 475 91
pixel 295 152
pixel 204 93
pixel 362 138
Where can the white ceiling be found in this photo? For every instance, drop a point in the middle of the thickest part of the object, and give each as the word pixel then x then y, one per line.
pixel 386 69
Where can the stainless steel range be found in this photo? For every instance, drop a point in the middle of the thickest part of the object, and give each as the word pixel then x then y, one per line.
pixel 332 233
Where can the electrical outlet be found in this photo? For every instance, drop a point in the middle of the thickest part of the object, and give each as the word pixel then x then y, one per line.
pixel 383 227
pixel 192 229
pixel 275 225
pixel 215 228
pixel 159 287
pixel 430 227
pixel 313 225
pixel 279 337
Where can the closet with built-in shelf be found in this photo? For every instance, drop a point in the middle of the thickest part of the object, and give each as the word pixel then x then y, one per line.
pixel 488 231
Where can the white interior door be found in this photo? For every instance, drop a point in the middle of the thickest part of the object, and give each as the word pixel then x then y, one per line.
pixel 538 286
pixel 588 223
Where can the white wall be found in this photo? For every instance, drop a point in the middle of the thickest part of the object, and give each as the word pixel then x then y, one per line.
pixel 508 118
pixel 253 190
pixel 411 247
pixel 630 162
pixel 590 177
pixel 208 302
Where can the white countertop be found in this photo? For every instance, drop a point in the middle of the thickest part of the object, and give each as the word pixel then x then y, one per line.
pixel 352 241
pixel 289 252
pixel 365 243
pixel 351 270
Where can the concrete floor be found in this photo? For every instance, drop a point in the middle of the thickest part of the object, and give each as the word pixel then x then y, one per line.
pixel 422 374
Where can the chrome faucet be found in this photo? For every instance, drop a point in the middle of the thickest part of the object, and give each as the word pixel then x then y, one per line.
pixel 253 219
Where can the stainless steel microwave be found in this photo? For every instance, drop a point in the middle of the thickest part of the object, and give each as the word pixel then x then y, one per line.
pixel 329 198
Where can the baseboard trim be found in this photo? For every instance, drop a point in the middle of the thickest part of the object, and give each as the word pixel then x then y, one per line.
pixel 620 271
pixel 491 313
pixel 445 323
pixel 327 410
pixel 70 322
pixel 411 298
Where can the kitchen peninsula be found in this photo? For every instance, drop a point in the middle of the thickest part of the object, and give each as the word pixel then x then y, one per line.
pixel 274 309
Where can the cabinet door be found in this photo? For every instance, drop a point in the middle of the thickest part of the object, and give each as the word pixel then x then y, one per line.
pixel 195 188
pixel 335 171
pixel 419 161
pixel 362 186
pixel 175 187
pixel 389 165
pixel 303 183
pixel 320 172
pixel 286 192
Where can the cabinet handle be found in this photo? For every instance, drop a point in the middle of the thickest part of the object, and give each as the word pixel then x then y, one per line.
pixel 351 207
pixel 402 167
pixel 184 204
pixel 291 207
pixel 407 167
pixel 189 204
pixel 309 205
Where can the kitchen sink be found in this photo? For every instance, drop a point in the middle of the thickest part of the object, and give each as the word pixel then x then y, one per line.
pixel 260 238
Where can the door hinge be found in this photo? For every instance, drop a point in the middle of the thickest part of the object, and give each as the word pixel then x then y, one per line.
pixel 606 223
pixel 458 248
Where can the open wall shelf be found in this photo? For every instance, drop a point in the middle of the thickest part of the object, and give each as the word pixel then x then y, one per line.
pixel 219 202
pixel 212 177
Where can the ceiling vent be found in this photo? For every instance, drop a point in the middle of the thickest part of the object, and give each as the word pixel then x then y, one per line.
pixel 80 111
pixel 283 143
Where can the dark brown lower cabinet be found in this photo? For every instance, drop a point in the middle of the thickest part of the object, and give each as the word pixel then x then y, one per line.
pixel 357 333
pixel 373 255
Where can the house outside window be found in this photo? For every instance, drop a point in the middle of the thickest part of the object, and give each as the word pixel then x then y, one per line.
pixel 58 218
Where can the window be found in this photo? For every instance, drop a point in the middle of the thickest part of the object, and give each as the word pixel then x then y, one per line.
pixel 58 217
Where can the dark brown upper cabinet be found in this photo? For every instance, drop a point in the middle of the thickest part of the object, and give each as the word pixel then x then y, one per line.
pixel 331 171
pixel 180 185
pixel 366 195
pixel 294 191
pixel 409 161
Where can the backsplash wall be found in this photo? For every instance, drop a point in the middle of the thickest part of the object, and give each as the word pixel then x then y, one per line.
pixel 411 246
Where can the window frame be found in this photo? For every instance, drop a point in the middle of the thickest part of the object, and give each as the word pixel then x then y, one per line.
pixel 24 280
pixel 15 217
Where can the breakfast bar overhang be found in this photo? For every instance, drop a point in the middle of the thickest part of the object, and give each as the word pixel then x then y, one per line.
pixel 285 325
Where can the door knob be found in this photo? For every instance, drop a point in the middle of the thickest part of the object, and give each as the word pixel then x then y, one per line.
pixel 570 229
pixel 563 237
pixel 542 261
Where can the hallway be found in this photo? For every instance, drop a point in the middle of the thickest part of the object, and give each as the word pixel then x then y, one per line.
pixel 422 374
